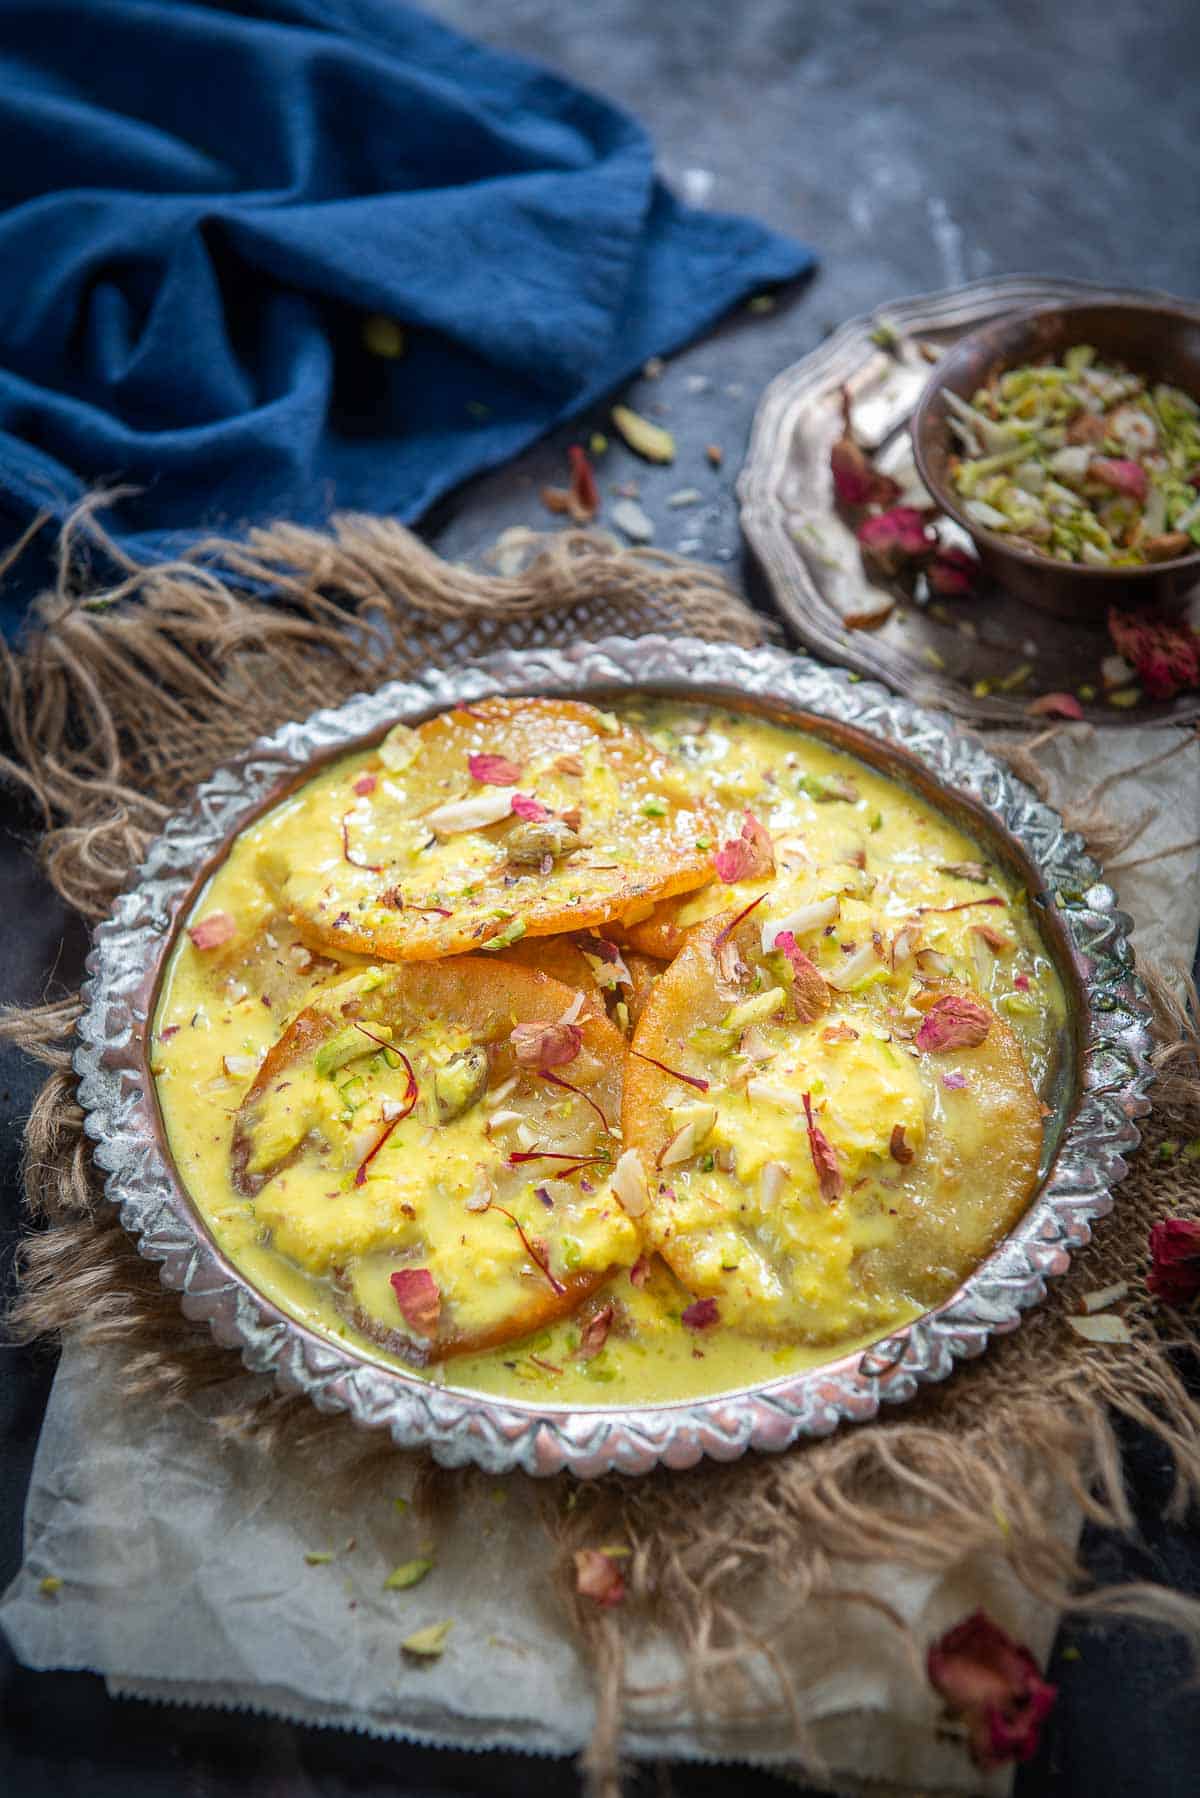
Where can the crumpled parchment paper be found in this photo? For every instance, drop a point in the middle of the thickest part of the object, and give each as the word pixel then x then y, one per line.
pixel 183 1558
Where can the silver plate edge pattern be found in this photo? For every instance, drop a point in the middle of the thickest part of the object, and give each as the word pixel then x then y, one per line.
pixel 458 1427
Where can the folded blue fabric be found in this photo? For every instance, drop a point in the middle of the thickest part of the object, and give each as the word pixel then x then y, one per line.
pixel 206 202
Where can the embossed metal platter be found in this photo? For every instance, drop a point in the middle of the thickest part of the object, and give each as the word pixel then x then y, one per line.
pixel 958 654
pixel 1101 1086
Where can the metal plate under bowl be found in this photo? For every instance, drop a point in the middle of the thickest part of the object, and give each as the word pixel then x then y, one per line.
pixel 1103 1085
pixel 940 653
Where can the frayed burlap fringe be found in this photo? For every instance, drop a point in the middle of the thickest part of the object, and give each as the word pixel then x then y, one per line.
pixel 118 702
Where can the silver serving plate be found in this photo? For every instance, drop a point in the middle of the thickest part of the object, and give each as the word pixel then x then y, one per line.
pixel 1101 1086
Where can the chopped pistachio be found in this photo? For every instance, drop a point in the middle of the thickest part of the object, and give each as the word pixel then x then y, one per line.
pixel 427 1644
pixel 400 1504
pixel 318 1558
pixel 648 440
pixel 384 337
pixel 409 1573
pixel 597 443
pixel 1125 697
pixel 51 1586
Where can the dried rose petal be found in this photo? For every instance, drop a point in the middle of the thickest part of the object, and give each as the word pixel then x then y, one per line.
pixel 545 1046
pixel 1021 982
pixel 1165 655
pixel 993 1684
pixel 532 810
pixel 995 941
pixel 954 1022
pixel 1121 475
pixel 639 1273
pixel 856 480
pixel 597 1576
pixel 594 1334
pixel 953 573
pixel 418 1297
pixel 954 1081
pixel 701 1314
pixel 1174 1275
pixel 366 783
pixel 210 932
pixel 895 542
pixel 810 995
pixel 1054 705
pixel 748 857
pixel 585 496
pixel 493 770
pixel 824 1159
pixel 899 1148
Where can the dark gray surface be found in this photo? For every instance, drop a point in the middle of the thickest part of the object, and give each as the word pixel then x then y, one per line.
pixel 915 146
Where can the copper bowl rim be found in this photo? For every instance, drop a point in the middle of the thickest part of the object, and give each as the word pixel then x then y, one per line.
pixel 993 540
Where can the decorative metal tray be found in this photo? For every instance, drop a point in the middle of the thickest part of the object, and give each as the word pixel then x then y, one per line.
pixel 1101 1089
pixel 959 654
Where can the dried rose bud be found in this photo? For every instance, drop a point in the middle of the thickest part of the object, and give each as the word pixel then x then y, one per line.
pixel 953 574
pixel 954 1022
pixel 1165 655
pixel 1174 1275
pixel 1121 475
pixel 598 1577
pixel 748 857
pixel 895 542
pixel 856 480
pixel 365 784
pixel 993 1684
pixel 418 1297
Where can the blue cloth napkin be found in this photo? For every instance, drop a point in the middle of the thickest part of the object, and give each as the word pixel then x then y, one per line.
pixel 205 203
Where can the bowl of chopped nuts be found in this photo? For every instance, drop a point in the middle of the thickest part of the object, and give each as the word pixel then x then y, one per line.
pixel 1066 441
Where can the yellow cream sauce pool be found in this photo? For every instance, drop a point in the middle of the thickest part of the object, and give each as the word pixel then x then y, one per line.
pixel 218 1016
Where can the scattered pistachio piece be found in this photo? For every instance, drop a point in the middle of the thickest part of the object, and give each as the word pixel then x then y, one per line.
pixel 427 1644
pixel 384 337
pixel 409 1573
pixel 648 440
pixel 51 1586
pixel 318 1558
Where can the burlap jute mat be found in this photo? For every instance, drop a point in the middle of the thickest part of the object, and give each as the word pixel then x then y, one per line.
pixel 122 696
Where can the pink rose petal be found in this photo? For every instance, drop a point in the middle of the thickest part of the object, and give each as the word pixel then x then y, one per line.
pixel 493 770
pixel 418 1297
pixel 210 932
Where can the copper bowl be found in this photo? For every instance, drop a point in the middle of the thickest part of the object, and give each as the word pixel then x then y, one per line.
pixel 1159 340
